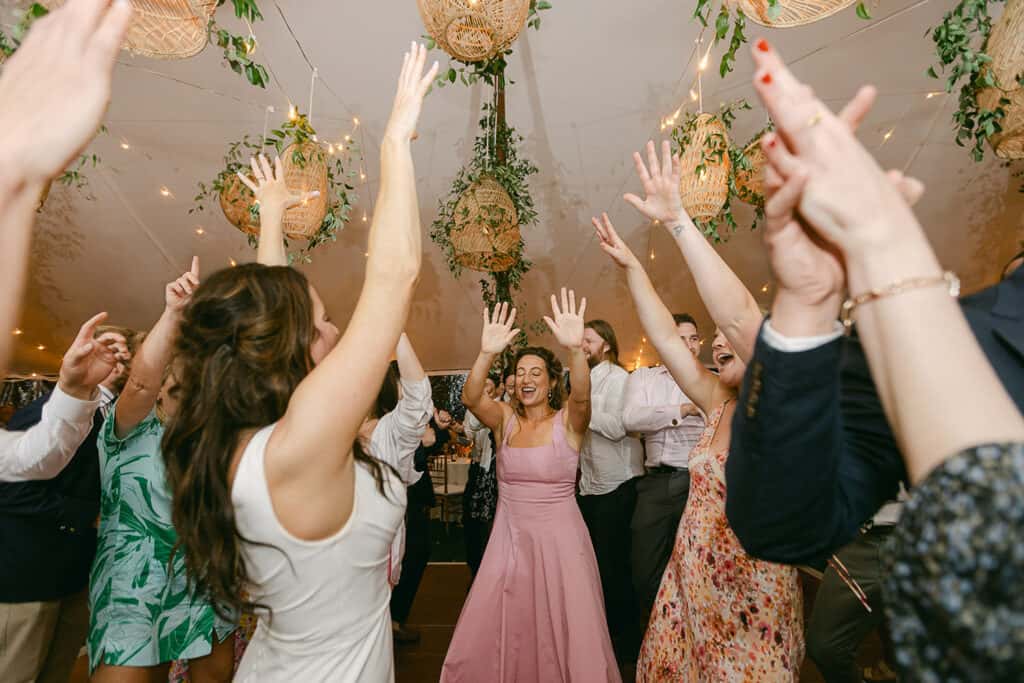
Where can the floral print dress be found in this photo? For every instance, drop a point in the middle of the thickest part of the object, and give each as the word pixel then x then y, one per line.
pixel 720 615
pixel 139 613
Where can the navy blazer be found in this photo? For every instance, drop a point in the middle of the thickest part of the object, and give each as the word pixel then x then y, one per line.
pixel 47 528
pixel 812 456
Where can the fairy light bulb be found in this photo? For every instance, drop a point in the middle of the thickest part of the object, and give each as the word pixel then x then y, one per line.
pixel 232 262
pixel 165 192
pixel 355 121
pixel 16 332
pixel 41 347
pixel 125 145
pixel 764 288
pixel 293 112
pixel 330 149
pixel 250 45
pixel 693 94
pixel 200 231
pixel 365 217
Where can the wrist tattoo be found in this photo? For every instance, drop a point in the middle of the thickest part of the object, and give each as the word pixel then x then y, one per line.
pixel 677 229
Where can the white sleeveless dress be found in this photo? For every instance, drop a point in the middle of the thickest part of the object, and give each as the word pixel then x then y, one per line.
pixel 329 597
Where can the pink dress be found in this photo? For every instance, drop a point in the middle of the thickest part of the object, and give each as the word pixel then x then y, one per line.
pixel 720 614
pixel 535 612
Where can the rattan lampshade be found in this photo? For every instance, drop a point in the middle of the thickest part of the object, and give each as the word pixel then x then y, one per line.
pixel 750 184
pixel 792 12
pixel 704 193
pixel 474 30
pixel 486 234
pixel 166 29
pixel 1006 47
pixel 305 170
pixel 235 200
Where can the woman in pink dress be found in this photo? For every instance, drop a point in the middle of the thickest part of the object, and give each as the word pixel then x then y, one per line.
pixel 535 612
pixel 720 614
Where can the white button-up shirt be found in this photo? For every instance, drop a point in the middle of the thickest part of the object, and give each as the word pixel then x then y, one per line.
pixel 652 408
pixel 44 450
pixel 609 457
pixel 394 441
pixel 476 430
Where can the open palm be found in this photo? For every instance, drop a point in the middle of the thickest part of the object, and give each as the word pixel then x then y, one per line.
pixel 567 323
pixel 660 181
pixel 412 87
pixel 269 187
pixel 498 331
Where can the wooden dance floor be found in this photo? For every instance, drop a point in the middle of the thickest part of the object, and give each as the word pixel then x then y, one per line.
pixel 437 608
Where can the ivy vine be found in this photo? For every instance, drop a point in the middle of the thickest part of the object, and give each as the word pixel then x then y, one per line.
pixel 960 62
pixel 238 50
pixel 512 173
pixel 295 131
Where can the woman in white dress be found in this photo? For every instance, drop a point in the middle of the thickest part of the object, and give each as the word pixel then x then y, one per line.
pixel 273 495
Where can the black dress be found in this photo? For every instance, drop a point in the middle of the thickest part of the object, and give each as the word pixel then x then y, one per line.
pixel 955 587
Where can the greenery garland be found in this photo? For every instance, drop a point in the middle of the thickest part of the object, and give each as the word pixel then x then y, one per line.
pixel 959 61
pixel 513 174
pixel 238 50
pixel 298 131
pixel 716 147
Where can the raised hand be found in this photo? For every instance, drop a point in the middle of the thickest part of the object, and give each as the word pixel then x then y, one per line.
pixel 498 332
pixel 268 186
pixel 661 186
pixel 847 197
pixel 179 293
pixel 612 244
pixel 412 87
pixel 61 74
pixel 88 361
pixel 567 325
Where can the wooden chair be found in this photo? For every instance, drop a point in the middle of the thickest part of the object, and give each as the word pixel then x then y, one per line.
pixel 449 494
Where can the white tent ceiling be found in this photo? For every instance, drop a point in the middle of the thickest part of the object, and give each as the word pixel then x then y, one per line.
pixel 591 87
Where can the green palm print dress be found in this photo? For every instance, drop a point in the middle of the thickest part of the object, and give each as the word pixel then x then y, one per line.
pixel 139 613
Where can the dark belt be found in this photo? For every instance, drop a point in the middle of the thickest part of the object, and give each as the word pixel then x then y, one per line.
pixel 665 469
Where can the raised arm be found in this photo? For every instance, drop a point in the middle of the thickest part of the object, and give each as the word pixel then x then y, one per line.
pixel 61 74
pixel 497 334
pixel 331 403
pixel 566 324
pixel 42 451
pixel 397 434
pixel 696 381
pixel 143 386
pixel 274 197
pixel 729 302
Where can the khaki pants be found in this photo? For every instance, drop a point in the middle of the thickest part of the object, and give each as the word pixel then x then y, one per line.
pixel 40 641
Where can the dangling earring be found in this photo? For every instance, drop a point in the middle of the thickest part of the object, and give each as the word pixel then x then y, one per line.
pixel 549 395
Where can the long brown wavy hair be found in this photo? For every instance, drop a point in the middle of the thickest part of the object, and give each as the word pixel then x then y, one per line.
pixel 243 348
pixel 554 370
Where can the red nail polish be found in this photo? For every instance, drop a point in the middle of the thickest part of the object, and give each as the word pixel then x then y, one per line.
pixel 766 79
pixel 762 45
pixel 771 142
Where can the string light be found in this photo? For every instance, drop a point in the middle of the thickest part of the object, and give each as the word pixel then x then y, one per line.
pixel 200 231
pixel 765 288
pixel 232 262
pixel 16 332
pixel 365 217
pixel 293 112
pixel 165 192
pixel 41 347
pixel 362 176
pixel 693 94
pixel 934 94
pixel 348 138
pixel 250 45
pixel 652 254
pixel 330 149
pixel 34 374
pixel 704 60
pixel 355 121
pixel 125 145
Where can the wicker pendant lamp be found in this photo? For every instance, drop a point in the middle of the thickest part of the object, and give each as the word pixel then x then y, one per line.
pixel 750 184
pixel 704 192
pixel 486 235
pixel 166 29
pixel 791 12
pixel 235 200
pixel 305 170
pixel 1006 47
pixel 474 30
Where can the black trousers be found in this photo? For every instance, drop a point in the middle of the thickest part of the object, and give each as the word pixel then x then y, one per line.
pixel 608 518
pixel 414 563
pixel 660 501
pixel 839 623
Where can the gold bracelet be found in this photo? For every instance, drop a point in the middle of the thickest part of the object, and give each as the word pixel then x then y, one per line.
pixel 948 278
